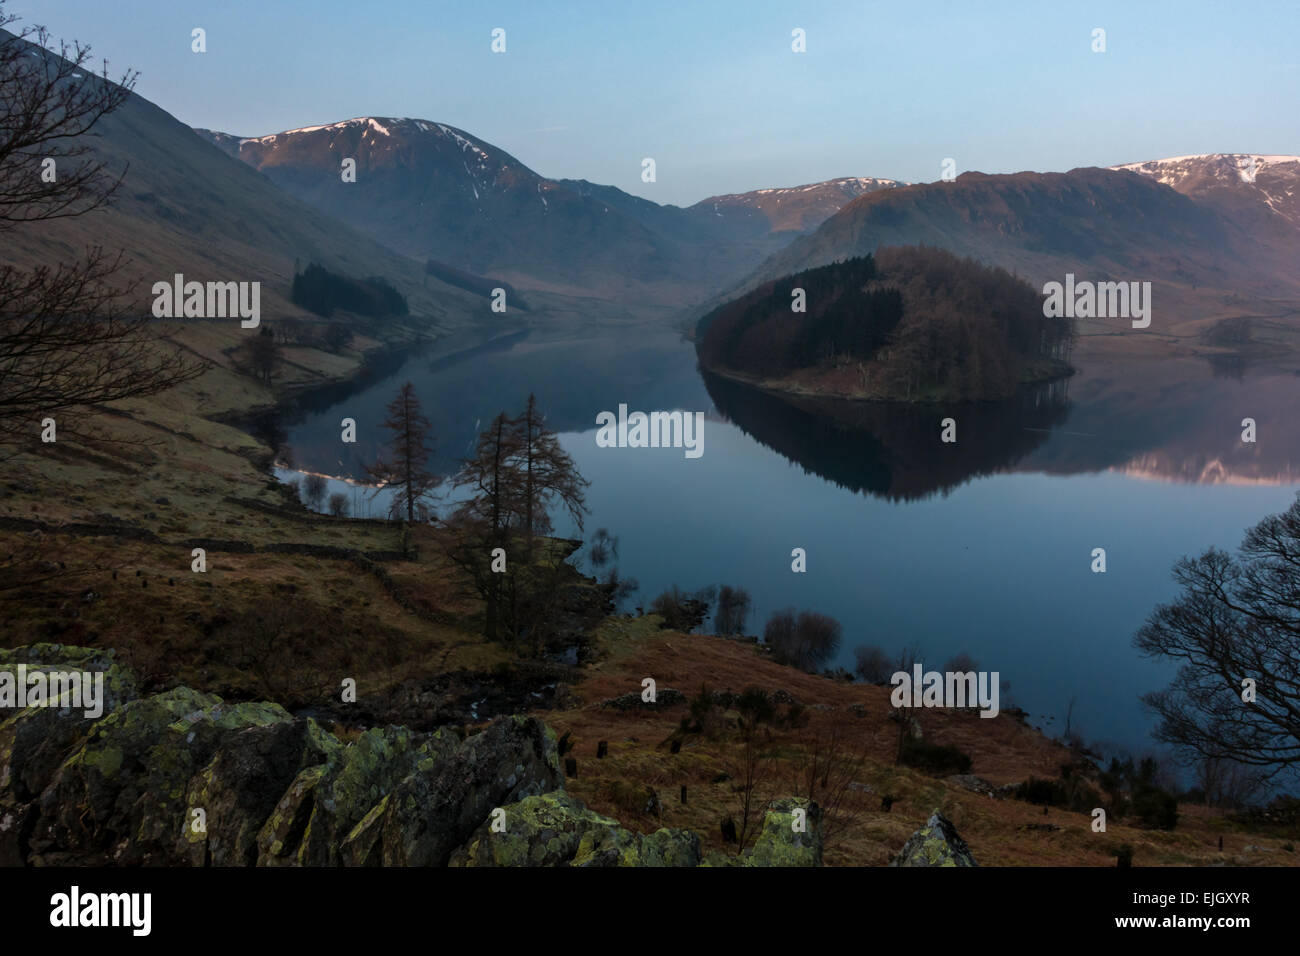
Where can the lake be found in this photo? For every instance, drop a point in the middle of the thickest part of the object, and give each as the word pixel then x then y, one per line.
pixel 984 545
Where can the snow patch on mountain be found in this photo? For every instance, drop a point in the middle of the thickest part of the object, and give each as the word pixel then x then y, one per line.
pixel 1174 169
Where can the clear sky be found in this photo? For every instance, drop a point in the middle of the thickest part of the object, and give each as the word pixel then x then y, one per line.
pixel 712 90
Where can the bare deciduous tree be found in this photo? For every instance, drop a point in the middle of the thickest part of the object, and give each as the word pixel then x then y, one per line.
pixel 313 491
pixel 1236 621
pixel 732 610
pixel 805 641
pixel 546 474
pixel 872 665
pixel 66 340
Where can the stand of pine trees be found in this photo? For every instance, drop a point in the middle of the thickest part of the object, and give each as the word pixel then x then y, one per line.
pixel 321 291
pixel 916 321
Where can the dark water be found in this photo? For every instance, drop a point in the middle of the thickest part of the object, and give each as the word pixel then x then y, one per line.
pixel 981 546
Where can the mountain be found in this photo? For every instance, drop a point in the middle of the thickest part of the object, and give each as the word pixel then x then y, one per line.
pixel 751 215
pixel 1258 195
pixel 1233 182
pixel 795 209
pixel 433 191
pixel 1207 250
pixel 187 207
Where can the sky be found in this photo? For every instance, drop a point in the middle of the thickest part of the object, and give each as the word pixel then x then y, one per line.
pixel 713 92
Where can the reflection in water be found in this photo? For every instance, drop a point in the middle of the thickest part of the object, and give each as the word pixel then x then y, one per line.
pixel 889 449
pixel 912 547
pixel 460 391
pixel 1169 421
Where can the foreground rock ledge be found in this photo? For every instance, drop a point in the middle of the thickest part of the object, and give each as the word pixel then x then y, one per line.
pixel 276 790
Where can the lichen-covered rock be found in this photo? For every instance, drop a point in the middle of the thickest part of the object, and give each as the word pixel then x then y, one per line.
pixel 791 835
pixel 669 847
pixel 121 795
pixel 356 779
pixel 935 844
pixel 364 845
pixel 556 829
pixel 241 786
pixel 35 740
pixel 540 830
pixel 717 858
pixel 281 834
pixel 438 806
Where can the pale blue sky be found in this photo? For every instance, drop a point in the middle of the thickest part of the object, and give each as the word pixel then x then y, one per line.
pixel 713 92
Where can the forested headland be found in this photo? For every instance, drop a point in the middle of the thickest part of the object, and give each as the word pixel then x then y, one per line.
pixel 910 323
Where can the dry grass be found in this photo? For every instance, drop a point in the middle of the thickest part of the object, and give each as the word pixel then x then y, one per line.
pixel 1004 751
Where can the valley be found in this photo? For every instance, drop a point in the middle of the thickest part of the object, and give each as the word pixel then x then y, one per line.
pixel 457 455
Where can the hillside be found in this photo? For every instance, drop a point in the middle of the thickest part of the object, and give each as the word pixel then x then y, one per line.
pixel 187 207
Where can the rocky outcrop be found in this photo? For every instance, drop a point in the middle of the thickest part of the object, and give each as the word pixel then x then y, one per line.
pixel 34 741
pixel 121 796
pixel 186 778
pixel 935 844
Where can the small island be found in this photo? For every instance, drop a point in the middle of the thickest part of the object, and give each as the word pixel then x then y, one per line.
pixel 911 323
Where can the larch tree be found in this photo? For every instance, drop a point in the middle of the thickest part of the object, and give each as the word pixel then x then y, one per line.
pixel 484 521
pixel 547 475
pixel 67 341
pixel 406 466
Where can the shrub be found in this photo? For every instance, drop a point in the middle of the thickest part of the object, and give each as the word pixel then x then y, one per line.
pixel 872 665
pixel 681 611
pixel 805 641
pixel 1050 793
pixel 934 758
pixel 1155 808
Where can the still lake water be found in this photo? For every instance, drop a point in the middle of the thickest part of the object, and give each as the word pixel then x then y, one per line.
pixel 983 546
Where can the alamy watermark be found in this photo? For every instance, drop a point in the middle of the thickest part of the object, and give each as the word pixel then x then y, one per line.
pixel 1098 300
pixel 208 300
pixel 76 909
pixel 46 688
pixel 947 689
pixel 675 429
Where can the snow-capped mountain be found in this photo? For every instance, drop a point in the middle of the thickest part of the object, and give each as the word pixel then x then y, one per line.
pixel 433 191
pixel 1240 179
pixel 1193 226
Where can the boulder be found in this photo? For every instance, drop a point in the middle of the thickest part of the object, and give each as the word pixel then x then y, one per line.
pixel 35 740
pixel 779 843
pixel 556 829
pixel 935 844
pixel 120 797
